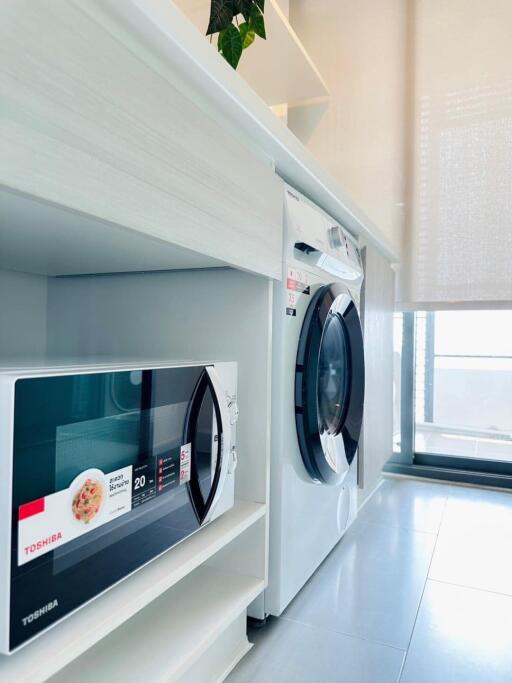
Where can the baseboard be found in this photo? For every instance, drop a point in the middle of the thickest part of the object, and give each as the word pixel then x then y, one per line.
pixel 371 494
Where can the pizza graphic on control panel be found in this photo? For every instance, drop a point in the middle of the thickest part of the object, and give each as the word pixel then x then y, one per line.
pixel 88 500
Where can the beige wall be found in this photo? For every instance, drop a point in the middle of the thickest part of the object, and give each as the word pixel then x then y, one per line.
pixel 359 48
pixel 285 6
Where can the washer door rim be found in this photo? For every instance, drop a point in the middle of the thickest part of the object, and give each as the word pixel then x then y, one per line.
pixel 315 442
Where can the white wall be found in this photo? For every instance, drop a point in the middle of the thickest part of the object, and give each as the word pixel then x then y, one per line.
pixel 359 134
pixel 200 315
pixel 22 315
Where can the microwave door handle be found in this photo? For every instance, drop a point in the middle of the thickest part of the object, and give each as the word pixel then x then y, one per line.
pixel 194 491
pixel 220 396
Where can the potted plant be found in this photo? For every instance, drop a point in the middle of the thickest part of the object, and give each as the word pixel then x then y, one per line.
pixel 237 23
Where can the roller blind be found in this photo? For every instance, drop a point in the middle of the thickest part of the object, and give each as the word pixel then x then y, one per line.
pixel 459 237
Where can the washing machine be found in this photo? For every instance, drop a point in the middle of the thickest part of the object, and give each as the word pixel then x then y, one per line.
pixel 317 397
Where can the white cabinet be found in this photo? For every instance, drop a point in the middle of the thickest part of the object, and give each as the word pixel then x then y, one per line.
pixel 176 595
pixel 185 611
pixel 87 124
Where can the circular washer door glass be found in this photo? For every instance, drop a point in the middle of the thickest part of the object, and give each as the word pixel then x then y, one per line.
pixel 333 381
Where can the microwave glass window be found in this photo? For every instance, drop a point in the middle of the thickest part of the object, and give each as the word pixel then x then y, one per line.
pixel 106 443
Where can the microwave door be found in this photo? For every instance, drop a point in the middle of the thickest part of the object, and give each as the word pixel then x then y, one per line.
pixel 206 430
pixel 124 433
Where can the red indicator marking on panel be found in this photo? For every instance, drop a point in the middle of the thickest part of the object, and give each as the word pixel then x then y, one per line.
pixel 31 509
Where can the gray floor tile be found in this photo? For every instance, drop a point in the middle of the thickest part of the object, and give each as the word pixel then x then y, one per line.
pixel 461 634
pixel 354 618
pixel 288 652
pixel 407 504
pixel 473 547
pixel 370 586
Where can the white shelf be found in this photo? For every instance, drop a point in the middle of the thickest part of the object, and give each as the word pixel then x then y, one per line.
pixel 154 180
pixel 46 239
pixel 65 642
pixel 164 640
pixel 133 119
pixel 279 68
pixel 159 33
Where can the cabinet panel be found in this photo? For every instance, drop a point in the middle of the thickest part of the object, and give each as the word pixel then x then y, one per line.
pixel 86 124
pixel 376 445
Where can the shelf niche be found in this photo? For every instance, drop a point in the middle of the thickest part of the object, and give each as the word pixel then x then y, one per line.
pixel 279 69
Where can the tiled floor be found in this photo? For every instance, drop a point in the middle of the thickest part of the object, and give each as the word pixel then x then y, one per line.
pixel 418 591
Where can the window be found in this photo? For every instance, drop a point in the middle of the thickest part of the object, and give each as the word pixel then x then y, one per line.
pixel 463 384
pixel 453 396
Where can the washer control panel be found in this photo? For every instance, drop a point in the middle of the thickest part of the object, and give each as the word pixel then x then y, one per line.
pixel 317 240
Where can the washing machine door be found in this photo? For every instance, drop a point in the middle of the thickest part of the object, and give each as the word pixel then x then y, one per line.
pixel 207 430
pixel 329 384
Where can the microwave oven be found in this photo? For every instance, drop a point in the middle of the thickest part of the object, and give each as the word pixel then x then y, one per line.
pixel 103 469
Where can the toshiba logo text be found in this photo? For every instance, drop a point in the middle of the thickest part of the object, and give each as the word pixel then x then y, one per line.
pixel 39 612
pixel 44 542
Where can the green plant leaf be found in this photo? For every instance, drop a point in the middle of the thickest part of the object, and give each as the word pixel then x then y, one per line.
pixel 260 4
pixel 257 22
pixel 232 45
pixel 243 7
pixel 219 40
pixel 221 15
pixel 247 34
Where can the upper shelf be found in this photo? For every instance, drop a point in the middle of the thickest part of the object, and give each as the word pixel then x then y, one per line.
pixel 122 112
pixel 159 33
pixel 153 179
pixel 279 68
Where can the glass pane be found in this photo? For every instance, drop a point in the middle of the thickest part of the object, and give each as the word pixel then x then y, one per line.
pixel 468 333
pixel 463 384
pixel 206 444
pixel 333 376
pixel 101 449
